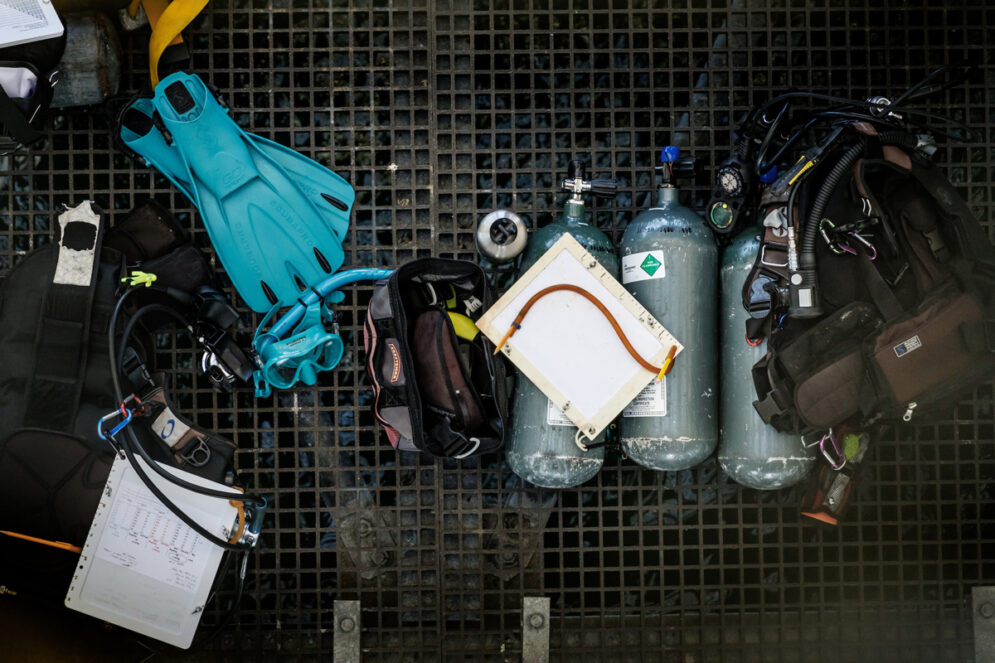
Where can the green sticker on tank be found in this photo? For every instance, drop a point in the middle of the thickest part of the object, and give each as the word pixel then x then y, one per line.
pixel 643 266
pixel 650 265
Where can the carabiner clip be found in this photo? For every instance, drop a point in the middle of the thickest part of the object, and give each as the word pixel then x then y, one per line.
pixel 837 462
pixel 126 417
pixel 870 247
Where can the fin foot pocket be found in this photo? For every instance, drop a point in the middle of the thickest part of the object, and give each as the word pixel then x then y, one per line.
pixel 179 97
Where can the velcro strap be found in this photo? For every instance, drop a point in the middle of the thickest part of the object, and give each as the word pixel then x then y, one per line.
pixel 64 326
pixel 772 402
pixel 768 407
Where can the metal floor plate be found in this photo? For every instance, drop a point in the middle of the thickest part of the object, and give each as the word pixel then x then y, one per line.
pixel 439 111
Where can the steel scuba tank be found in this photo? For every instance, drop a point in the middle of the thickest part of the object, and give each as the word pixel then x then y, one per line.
pixel 752 453
pixel 670 265
pixel 540 446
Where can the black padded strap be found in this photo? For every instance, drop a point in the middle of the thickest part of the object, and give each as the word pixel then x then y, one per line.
pixel 773 400
pixel 64 325
pixel 884 299
pixel 757 329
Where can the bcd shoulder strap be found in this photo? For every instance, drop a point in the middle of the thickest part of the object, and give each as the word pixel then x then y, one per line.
pixel 54 390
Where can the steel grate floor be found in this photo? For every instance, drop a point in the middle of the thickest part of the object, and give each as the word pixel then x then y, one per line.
pixel 439 111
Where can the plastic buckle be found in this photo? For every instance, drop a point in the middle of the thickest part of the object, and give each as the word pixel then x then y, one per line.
pixel 198 455
pixel 763 259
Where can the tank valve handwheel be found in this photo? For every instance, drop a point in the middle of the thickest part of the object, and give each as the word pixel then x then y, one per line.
pixel 501 236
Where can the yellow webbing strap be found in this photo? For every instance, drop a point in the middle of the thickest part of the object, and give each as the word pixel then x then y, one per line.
pixel 168 19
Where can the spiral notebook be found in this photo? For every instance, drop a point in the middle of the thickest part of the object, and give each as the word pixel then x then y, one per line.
pixel 141 567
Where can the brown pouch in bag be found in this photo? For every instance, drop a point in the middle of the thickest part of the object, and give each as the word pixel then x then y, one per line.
pixel 442 372
pixel 926 355
pixel 832 393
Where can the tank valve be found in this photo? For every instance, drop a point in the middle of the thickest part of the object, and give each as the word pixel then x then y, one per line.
pixel 576 184
pixel 675 166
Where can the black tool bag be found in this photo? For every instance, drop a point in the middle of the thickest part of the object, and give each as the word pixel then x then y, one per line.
pixel 55 386
pixel 28 76
pixel 910 330
pixel 438 386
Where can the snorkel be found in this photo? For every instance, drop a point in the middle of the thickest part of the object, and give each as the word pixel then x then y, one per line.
pixel 298 346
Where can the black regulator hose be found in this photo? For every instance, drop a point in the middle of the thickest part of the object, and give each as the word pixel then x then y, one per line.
pixel 804 283
pixel 806 257
pixel 899 138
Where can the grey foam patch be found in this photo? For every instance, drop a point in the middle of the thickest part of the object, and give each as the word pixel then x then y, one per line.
pixel 75 265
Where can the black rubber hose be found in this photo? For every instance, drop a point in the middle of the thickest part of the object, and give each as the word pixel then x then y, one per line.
pixel 806 257
pixel 899 138
pixel 130 435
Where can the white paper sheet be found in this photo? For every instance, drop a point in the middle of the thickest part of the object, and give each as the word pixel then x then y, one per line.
pixel 142 568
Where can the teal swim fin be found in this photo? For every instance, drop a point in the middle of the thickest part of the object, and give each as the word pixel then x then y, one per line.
pixel 276 218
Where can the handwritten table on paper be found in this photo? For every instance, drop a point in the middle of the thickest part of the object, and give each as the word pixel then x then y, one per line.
pixel 143 535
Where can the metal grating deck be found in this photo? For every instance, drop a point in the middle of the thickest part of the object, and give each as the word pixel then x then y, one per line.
pixel 439 111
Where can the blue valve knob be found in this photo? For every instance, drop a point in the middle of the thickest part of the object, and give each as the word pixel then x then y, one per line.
pixel 769 176
pixel 670 154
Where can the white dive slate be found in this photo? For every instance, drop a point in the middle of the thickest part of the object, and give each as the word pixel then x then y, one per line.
pixel 25 21
pixel 141 567
pixel 568 348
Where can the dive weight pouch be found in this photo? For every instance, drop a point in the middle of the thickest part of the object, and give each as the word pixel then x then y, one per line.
pixel 438 386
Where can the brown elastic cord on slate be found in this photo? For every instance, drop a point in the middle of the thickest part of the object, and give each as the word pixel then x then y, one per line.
pixel 668 363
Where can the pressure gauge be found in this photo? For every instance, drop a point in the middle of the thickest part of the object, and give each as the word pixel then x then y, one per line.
pixel 721 215
pixel 730 180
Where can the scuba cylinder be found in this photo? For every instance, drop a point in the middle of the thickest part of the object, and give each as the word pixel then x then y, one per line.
pixel 540 447
pixel 752 453
pixel 669 263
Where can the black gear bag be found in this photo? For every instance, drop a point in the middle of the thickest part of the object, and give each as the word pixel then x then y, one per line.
pixel 438 386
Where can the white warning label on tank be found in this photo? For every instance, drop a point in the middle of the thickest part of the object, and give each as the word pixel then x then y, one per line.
pixel 643 266
pixel 555 416
pixel 650 402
